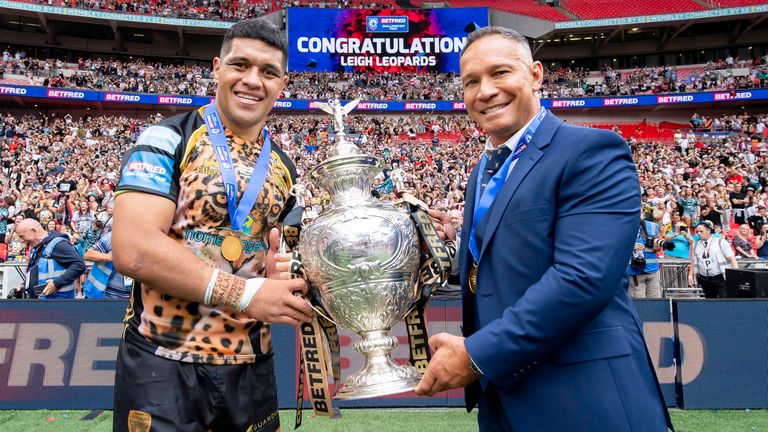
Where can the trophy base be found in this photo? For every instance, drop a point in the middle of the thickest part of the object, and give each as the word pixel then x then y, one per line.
pixel 380 375
pixel 360 386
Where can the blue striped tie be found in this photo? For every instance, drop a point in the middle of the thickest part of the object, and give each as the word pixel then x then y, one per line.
pixel 496 159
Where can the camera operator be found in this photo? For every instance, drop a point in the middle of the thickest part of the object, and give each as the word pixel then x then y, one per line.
pixel 708 261
pixel 643 270
pixel 54 265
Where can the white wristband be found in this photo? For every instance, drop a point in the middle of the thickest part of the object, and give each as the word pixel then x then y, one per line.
pixel 252 286
pixel 209 289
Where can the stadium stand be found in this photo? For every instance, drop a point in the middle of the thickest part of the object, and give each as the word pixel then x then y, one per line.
pixel 530 8
pixel 228 10
pixel 142 76
pixel 46 155
pixel 598 9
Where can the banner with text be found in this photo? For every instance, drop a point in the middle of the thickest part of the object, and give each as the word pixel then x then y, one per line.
pixel 60 354
pixel 421 106
pixel 394 40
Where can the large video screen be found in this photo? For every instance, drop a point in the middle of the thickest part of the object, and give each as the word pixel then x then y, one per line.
pixel 397 40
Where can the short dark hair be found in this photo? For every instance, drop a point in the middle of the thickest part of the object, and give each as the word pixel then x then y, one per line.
pixel 258 29
pixel 497 30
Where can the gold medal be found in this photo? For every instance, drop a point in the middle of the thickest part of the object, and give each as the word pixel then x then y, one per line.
pixel 231 248
pixel 473 280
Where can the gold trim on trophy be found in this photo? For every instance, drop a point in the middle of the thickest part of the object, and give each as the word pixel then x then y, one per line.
pixel 231 248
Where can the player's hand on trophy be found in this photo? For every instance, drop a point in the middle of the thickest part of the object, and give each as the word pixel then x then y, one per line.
pixel 278 265
pixel 276 303
pixel 443 225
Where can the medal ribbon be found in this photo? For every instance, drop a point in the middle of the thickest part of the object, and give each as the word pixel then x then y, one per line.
pixel 434 269
pixel 238 213
pixel 484 201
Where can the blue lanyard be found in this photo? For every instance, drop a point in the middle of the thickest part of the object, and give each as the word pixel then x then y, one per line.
pixel 483 202
pixel 237 213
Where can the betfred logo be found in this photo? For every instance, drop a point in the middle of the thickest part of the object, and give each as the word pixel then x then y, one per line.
pixel 420 106
pixel 459 106
pixel 120 97
pixel 620 101
pixel 282 104
pixel 146 167
pixel 393 20
pixel 674 99
pixel 65 94
pixel 372 106
pixel 567 103
pixel 732 96
pixel 13 90
pixel 313 105
pixel 174 100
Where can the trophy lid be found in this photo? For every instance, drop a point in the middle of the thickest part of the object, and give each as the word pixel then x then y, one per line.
pixel 347 172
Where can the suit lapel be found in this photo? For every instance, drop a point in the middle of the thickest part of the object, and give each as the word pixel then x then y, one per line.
pixel 469 209
pixel 528 160
pixel 468 299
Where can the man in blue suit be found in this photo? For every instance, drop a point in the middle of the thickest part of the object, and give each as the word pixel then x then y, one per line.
pixel 551 339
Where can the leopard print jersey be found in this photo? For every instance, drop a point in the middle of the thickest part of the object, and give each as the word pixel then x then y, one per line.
pixel 194 332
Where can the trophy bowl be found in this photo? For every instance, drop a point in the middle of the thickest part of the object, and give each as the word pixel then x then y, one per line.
pixel 361 258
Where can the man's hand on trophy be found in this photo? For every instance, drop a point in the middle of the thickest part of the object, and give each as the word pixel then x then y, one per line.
pixel 449 367
pixel 275 302
pixel 443 224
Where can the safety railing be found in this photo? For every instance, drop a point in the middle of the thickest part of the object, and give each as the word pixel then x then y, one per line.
pixel 674 276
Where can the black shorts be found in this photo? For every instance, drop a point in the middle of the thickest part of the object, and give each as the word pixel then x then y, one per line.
pixel 153 393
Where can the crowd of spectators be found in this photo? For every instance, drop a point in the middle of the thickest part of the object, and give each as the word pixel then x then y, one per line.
pixel 63 171
pixel 215 10
pixel 723 180
pixel 142 76
pixel 111 75
pixel 728 74
pixel 737 123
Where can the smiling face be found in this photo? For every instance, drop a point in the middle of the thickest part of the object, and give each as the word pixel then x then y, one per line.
pixel 250 77
pixel 500 81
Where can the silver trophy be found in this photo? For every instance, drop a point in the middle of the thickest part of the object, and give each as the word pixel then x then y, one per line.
pixel 361 258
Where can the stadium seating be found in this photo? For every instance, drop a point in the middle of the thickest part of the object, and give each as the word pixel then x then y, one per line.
pixel 530 8
pixel 597 9
pixel 645 131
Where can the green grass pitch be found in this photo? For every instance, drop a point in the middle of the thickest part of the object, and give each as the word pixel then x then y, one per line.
pixel 375 420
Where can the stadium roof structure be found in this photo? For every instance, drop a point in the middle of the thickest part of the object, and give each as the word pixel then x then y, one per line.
pixel 581 13
pixel 572 32
pixel 679 38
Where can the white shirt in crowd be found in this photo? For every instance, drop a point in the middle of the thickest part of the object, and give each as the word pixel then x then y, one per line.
pixel 711 256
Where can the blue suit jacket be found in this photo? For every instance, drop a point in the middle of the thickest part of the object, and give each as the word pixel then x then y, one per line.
pixel 551 326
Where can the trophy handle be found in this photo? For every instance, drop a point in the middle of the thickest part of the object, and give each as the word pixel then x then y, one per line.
pixel 282 249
